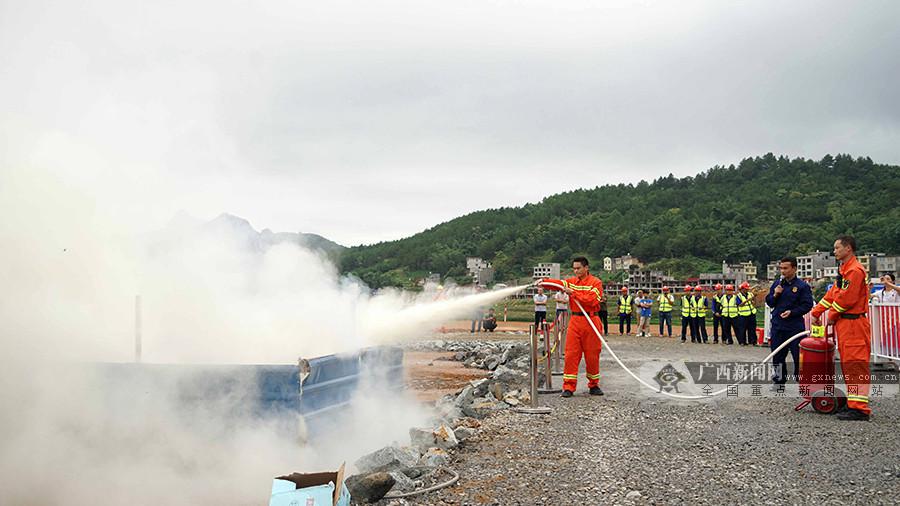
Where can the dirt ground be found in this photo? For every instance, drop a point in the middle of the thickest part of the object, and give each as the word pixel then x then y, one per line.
pixel 632 446
pixel 430 375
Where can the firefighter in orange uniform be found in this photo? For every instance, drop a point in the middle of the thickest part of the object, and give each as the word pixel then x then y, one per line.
pixel 580 337
pixel 847 302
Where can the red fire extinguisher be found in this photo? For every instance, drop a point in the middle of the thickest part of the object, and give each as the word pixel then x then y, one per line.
pixel 816 376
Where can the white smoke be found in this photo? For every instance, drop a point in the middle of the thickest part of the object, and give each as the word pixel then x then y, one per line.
pixel 70 269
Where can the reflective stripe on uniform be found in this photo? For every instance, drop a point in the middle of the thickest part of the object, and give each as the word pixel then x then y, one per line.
pixel 593 376
pixel 837 307
pixel 825 304
pixel 685 306
pixel 729 306
pixel 701 307
pixel 744 307
pixel 570 376
pixel 665 304
pixel 858 398
pixel 581 288
pixel 625 304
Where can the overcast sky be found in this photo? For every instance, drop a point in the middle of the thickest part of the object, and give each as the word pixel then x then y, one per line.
pixel 373 120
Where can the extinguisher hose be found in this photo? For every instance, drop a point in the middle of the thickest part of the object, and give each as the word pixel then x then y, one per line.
pixel 652 387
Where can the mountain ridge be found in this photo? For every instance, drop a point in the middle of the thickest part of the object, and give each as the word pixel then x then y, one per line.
pixel 759 209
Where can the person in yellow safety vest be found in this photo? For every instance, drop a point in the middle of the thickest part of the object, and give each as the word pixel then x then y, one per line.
pixel 716 309
pixel 747 312
pixel 666 301
pixel 626 302
pixel 701 305
pixel 687 314
pixel 730 320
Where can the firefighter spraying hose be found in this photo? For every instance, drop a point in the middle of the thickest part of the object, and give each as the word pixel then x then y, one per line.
pixel 555 286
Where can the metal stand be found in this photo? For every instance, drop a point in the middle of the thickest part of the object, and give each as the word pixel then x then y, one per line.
pixel 534 409
pixel 548 369
pixel 561 327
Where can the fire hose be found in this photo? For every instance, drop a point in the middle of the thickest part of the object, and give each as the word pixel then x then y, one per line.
pixel 454 477
pixel 651 387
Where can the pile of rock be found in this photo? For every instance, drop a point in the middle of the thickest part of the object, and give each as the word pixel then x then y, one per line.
pixel 506 387
pixel 407 468
pixel 481 354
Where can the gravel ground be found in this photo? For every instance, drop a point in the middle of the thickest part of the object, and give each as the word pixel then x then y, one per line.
pixel 630 446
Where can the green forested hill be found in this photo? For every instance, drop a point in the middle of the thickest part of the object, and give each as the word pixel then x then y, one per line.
pixel 761 209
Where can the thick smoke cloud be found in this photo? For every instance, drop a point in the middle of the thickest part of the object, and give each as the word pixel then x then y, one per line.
pixel 77 432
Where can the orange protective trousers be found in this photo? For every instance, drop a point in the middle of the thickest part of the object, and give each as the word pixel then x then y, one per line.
pixel 854 344
pixel 581 340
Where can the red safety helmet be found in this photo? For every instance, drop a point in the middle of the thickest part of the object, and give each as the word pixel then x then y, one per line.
pixel 729 288
pixel 745 286
pixel 687 288
pixel 698 288
pixel 718 286
pixel 624 288
pixel 665 288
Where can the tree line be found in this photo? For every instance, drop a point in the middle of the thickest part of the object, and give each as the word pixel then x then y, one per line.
pixel 760 209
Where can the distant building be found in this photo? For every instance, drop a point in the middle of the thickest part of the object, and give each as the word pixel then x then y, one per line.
pixel 809 265
pixel 708 280
pixel 623 263
pixel 732 274
pixel 607 264
pixel 749 270
pixel 546 270
pixel 541 271
pixel 639 279
pixel 773 270
pixel 481 271
pixel 879 264
pixel 484 276
pixel 826 272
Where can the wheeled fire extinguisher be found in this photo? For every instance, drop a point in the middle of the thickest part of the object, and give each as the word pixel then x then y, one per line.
pixel 816 376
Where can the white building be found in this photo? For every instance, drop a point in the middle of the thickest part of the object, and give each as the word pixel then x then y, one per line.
pixel 481 271
pixel 808 266
pixel 773 270
pixel 826 272
pixel 607 264
pixel 749 270
pixel 546 270
pixel 624 262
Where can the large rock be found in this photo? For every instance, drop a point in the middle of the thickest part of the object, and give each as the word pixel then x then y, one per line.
pixel 463 433
pixel 369 487
pixel 389 458
pixel 434 457
pixel 441 437
pixel 504 374
pixel 483 407
pixel 513 352
pixel 402 481
pixel 465 397
pixel 479 387
pixel 521 363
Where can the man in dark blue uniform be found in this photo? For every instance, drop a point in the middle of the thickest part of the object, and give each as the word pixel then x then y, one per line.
pixel 790 298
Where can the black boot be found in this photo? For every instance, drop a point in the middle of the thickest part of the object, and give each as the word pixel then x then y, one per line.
pixel 595 391
pixel 853 414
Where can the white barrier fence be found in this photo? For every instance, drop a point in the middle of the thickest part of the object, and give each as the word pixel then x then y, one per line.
pixel 884 318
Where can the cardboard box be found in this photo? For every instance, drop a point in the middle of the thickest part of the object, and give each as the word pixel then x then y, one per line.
pixel 310 489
